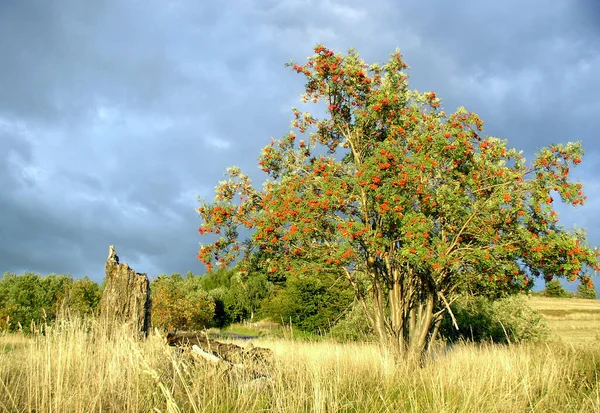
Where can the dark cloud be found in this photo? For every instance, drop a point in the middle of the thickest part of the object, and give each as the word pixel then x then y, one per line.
pixel 588 16
pixel 116 115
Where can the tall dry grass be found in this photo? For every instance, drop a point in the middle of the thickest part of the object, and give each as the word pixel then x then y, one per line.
pixel 77 367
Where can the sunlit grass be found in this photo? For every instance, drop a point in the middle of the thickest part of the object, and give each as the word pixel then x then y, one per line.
pixel 78 367
pixel 572 320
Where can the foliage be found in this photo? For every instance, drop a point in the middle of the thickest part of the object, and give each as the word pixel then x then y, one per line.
pixel 554 288
pixel 519 321
pixel 237 297
pixel 353 326
pixel 587 291
pixel 508 319
pixel 390 189
pixel 180 304
pixel 31 298
pixel 221 316
pixel 22 300
pixel 311 304
pixel 216 279
pixel 56 291
pixel 84 297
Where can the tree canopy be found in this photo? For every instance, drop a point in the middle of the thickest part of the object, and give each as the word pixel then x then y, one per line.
pixel 410 204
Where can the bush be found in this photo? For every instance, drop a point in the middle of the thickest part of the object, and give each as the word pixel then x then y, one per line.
pixel 84 297
pixel 503 320
pixel 222 316
pixel 353 326
pixel 474 318
pixel 555 289
pixel 236 298
pixel 521 322
pixel 179 304
pixel 310 303
pixel 589 293
pixel 31 298
pixel 22 300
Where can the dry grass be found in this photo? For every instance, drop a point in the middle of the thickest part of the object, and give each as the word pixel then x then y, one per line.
pixel 77 367
pixel 573 320
pixel 566 304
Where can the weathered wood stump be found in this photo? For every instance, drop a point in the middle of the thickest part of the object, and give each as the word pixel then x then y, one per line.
pixel 126 296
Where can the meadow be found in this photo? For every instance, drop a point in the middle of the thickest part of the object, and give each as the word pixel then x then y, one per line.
pixel 572 320
pixel 78 367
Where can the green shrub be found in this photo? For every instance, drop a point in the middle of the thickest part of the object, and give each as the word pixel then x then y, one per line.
pixel 503 320
pixel 519 320
pixel 22 300
pixel 474 318
pixel 31 298
pixel 221 298
pixel 84 297
pixel 179 304
pixel 589 293
pixel 555 289
pixel 353 326
pixel 236 298
pixel 310 303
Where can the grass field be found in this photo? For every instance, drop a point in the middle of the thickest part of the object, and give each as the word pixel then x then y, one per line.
pixel 78 367
pixel 573 320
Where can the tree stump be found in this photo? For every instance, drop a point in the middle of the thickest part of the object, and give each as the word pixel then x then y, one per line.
pixel 126 296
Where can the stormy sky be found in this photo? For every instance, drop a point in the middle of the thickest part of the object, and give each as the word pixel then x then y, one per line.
pixel 115 115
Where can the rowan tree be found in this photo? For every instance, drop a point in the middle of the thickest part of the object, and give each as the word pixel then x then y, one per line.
pixel 412 205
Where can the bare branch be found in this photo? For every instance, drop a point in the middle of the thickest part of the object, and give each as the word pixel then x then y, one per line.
pixel 449 309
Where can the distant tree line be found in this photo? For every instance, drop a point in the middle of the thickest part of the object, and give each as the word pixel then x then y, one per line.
pixel 189 302
pixel 554 288
pixel 313 304
pixel 224 296
pixel 31 298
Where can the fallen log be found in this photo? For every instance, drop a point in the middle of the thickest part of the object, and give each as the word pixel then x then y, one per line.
pixel 207 356
pixel 255 361
pixel 226 351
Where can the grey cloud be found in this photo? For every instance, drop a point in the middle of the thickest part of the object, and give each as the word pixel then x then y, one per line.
pixel 588 14
pixel 15 155
pixel 114 115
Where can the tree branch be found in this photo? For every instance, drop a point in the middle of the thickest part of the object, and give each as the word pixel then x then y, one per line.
pixel 449 309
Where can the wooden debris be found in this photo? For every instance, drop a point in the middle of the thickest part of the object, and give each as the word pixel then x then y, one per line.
pixel 255 362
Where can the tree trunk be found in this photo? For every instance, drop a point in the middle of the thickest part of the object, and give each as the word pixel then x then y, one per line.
pixel 402 314
pixel 410 325
pixel 436 329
